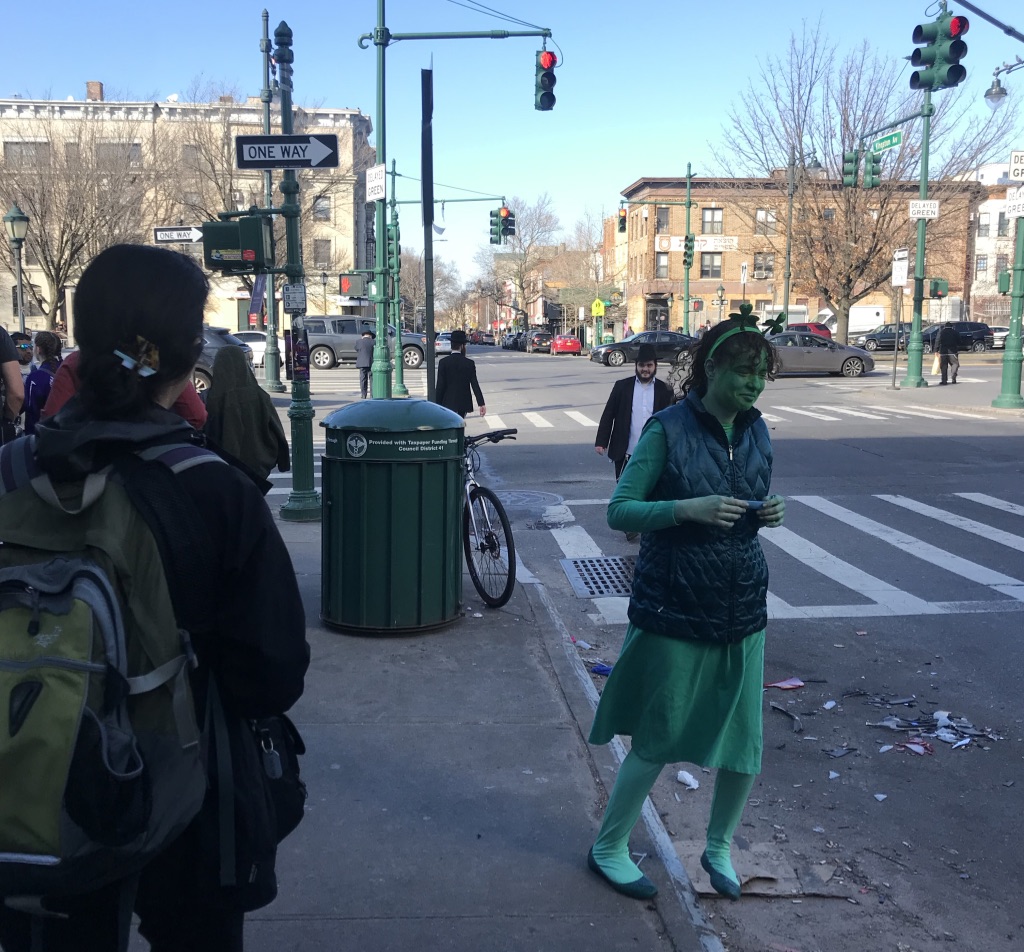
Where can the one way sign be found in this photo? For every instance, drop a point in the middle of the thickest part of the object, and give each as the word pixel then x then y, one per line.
pixel 182 236
pixel 286 152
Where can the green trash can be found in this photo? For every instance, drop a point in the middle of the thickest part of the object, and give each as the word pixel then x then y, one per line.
pixel 393 491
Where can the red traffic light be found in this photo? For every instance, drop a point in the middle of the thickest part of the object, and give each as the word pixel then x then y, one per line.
pixel 548 60
pixel 503 211
pixel 958 26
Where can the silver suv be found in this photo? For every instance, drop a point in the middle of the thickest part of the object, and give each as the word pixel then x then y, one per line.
pixel 332 341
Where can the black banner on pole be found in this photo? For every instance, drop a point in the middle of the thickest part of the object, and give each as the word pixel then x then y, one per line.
pixel 427 145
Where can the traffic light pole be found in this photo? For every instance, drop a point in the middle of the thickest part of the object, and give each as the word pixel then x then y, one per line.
pixel 915 345
pixel 1009 393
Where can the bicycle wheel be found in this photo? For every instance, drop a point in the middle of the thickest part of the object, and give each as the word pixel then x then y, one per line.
pixel 490 551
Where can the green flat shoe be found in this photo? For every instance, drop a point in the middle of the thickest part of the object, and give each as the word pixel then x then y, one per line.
pixel 721 883
pixel 641 888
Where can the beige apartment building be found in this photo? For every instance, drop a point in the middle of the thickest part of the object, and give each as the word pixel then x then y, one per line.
pixel 94 172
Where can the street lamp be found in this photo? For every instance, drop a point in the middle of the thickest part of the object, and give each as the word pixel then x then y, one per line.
pixel 323 284
pixel 16 223
pixel 814 166
pixel 721 302
pixel 996 94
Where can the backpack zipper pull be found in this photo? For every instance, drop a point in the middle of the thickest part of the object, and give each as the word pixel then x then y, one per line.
pixel 33 624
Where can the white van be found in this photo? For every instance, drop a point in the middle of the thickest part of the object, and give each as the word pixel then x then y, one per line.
pixel 863 317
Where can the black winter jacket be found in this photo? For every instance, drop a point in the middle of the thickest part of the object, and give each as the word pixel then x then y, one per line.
pixel 698 582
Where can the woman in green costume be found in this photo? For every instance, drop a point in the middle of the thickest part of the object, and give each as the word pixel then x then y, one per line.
pixel 687 685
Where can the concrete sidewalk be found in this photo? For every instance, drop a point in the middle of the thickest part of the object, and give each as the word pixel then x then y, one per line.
pixel 452 796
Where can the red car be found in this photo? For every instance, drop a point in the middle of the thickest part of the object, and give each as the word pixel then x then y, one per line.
pixel 565 344
pixel 812 328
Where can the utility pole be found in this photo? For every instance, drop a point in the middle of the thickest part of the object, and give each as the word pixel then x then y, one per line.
pixel 395 295
pixel 915 345
pixel 1009 392
pixel 688 241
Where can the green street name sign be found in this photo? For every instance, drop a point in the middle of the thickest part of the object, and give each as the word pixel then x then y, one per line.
pixel 890 141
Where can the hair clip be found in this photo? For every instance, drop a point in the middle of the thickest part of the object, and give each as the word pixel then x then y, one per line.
pixel 148 361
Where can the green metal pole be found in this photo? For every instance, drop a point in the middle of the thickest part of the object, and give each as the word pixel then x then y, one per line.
pixel 790 191
pixel 303 503
pixel 1009 393
pixel 686 270
pixel 380 370
pixel 915 346
pixel 396 301
pixel 272 358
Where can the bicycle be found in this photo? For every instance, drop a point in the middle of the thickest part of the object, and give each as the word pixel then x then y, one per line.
pixel 486 531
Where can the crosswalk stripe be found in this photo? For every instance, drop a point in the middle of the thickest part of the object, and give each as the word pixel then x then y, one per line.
pixel 817 416
pixel 957 521
pixel 956 413
pixel 918 548
pixel 576 543
pixel 772 419
pixel 847 411
pixel 580 418
pixel 491 422
pixel 929 416
pixel 537 420
pixel 993 502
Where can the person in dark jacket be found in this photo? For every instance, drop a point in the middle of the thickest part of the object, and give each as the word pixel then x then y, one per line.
pixel 12 388
pixel 456 379
pixel 364 361
pixel 630 405
pixel 948 347
pixel 139 321
pixel 687 684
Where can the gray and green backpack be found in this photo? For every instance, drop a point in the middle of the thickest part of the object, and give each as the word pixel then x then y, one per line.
pixel 100 756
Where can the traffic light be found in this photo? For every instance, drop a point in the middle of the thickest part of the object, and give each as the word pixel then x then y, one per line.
pixel 688 250
pixel 622 221
pixel 941 55
pixel 872 169
pixel 1003 282
pixel 851 164
pixel 394 249
pixel 241 246
pixel 698 305
pixel 508 223
pixel 544 98
pixel 496 225
pixel 939 288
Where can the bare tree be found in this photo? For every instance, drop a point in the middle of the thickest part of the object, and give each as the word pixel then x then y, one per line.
pixel 577 271
pixel 447 285
pixel 820 105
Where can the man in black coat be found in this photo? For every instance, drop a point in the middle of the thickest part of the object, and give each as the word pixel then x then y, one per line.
pixel 631 403
pixel 948 347
pixel 456 377
pixel 364 360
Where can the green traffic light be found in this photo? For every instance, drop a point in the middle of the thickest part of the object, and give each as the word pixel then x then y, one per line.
pixel 495 226
pixel 872 170
pixel 851 164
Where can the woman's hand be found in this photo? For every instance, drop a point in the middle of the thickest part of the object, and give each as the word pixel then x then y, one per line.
pixel 773 512
pixel 721 511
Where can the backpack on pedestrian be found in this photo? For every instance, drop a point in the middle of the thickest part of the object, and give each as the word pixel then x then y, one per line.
pixel 100 752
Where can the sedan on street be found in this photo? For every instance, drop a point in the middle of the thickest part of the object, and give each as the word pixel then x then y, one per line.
pixel 802 353
pixel 538 340
pixel 882 337
pixel 668 345
pixel 566 344
pixel 443 343
pixel 999 335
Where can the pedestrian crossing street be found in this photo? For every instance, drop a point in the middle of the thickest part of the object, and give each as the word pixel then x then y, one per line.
pixel 881 555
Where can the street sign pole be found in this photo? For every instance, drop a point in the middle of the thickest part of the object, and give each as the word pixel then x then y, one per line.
pixel 303 503
pixel 915 345
pixel 1009 392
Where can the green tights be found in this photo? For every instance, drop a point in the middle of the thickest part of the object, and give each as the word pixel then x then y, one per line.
pixel 634 782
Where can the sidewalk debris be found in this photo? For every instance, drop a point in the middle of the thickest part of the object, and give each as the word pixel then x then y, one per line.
pixel 881 796
pixel 580 643
pixel 797 726
pixel 603 669
pixel 837 752
pixel 789 684
pixel 829 705
pixel 688 780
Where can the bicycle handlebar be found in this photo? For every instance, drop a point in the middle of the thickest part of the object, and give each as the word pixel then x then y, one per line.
pixel 495 436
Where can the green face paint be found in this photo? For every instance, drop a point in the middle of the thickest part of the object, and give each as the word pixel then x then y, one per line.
pixel 736 388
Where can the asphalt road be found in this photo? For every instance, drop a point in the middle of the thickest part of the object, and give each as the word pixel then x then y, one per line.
pixel 897 591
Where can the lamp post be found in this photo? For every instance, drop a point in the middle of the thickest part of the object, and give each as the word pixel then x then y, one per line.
pixel 16 223
pixel 721 301
pixel 323 285
pixel 814 165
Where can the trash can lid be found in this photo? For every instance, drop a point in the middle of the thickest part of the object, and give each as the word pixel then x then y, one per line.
pixel 393 416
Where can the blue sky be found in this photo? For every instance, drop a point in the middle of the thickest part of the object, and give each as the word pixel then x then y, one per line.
pixel 642 89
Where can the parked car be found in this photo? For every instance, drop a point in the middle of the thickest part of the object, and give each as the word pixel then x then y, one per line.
pixel 332 340
pixel 815 327
pixel 802 353
pixel 508 342
pixel 443 343
pixel 880 338
pixel 999 335
pixel 566 344
pixel 668 344
pixel 520 341
pixel 257 340
pixel 214 338
pixel 974 336
pixel 487 339
pixel 538 340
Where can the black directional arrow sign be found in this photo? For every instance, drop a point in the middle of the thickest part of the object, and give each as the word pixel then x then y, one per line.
pixel 286 152
pixel 169 235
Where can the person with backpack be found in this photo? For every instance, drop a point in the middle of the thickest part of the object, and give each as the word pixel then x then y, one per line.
pixel 150 617
pixel 39 380
pixel 12 389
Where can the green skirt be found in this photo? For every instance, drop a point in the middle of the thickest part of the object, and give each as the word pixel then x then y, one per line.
pixel 686 701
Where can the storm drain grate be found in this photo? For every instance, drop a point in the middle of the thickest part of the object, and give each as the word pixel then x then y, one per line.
pixel 593 578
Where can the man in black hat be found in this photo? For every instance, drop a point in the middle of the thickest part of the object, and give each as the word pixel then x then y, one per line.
pixel 948 346
pixel 364 360
pixel 630 405
pixel 456 377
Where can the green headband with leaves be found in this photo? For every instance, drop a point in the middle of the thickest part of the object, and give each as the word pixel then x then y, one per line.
pixel 746 321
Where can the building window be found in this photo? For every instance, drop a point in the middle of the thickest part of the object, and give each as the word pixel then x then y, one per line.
pixel 119 154
pixel 661 221
pixel 321 253
pixel 31 308
pixel 192 201
pixel 190 156
pixel 983 224
pixel 828 214
pixel 764 222
pixel 710 264
pixel 73 154
pixel 711 221
pixel 27 154
pixel 322 208
pixel 764 266
pixel 980 265
pixel 1003 226
pixel 1002 263
pixel 661 264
